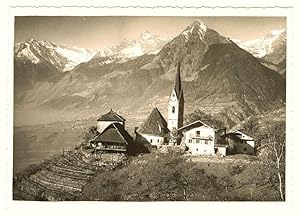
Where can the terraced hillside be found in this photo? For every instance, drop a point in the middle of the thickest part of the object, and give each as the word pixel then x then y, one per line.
pixel 63 177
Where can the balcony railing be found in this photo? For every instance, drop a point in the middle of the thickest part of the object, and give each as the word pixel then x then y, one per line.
pixel 197 136
pixel 111 148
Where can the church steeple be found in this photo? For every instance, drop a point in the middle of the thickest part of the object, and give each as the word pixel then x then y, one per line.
pixel 178 81
pixel 176 104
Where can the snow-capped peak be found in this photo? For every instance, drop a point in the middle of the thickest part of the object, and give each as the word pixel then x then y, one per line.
pixel 197 26
pixel 146 35
pixel 201 25
pixel 262 46
pixel 146 43
pixel 207 36
pixel 64 58
pixel 277 32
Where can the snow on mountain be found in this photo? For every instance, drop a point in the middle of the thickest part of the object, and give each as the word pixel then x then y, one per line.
pixel 25 52
pixel 206 35
pixel 146 43
pixel 201 29
pixel 63 57
pixel 262 46
pixel 75 55
pixel 189 47
pixel 218 77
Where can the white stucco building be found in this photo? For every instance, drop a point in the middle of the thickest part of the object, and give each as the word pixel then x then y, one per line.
pixel 201 138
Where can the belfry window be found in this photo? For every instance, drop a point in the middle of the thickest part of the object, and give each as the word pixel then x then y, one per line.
pixel 173 109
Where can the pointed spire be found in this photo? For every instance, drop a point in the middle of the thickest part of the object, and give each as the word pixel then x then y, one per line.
pixel 178 80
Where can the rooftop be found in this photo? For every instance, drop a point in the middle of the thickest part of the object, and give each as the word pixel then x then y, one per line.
pixel 111 116
pixel 210 123
pixel 114 133
pixel 155 124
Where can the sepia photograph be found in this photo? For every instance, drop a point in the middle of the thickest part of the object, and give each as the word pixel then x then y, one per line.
pixel 149 108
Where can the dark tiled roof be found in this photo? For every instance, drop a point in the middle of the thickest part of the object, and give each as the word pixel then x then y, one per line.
pixel 114 133
pixel 155 124
pixel 111 116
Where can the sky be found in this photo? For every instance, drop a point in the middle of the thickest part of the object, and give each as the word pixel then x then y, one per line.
pixel 99 32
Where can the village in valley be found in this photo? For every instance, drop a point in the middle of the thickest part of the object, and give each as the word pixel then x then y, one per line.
pixel 192 116
pixel 200 137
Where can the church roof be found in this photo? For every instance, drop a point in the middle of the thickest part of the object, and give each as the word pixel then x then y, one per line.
pixel 155 124
pixel 111 116
pixel 114 133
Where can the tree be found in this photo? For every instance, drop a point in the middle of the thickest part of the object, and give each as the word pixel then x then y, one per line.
pixel 275 144
pixel 90 134
pixel 251 125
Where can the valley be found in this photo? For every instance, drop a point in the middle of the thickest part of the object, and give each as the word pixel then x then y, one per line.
pixel 60 92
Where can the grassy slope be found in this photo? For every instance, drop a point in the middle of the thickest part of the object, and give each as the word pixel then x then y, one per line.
pixel 159 177
pixel 154 176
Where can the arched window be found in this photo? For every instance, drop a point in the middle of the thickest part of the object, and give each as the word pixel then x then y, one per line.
pixel 173 109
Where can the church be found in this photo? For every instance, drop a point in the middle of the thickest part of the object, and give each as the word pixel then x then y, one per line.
pixel 201 137
pixel 155 130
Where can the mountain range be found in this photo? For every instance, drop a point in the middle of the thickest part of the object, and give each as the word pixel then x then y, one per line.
pixel 219 77
pixel 270 49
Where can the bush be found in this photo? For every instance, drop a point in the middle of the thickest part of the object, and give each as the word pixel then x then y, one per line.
pixel 235 170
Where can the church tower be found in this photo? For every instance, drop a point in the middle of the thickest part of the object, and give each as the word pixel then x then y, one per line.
pixel 176 104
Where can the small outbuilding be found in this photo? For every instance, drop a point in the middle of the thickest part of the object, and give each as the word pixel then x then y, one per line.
pixel 241 141
pixel 114 138
pixel 107 119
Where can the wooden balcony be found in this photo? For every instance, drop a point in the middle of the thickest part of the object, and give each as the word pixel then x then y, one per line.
pixel 111 148
pixel 195 136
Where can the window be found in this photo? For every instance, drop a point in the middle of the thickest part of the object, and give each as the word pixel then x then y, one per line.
pixel 198 133
pixel 190 141
pixel 206 142
pixel 157 140
pixel 245 149
pixel 173 109
pixel 196 149
pixel 150 140
pixel 197 141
